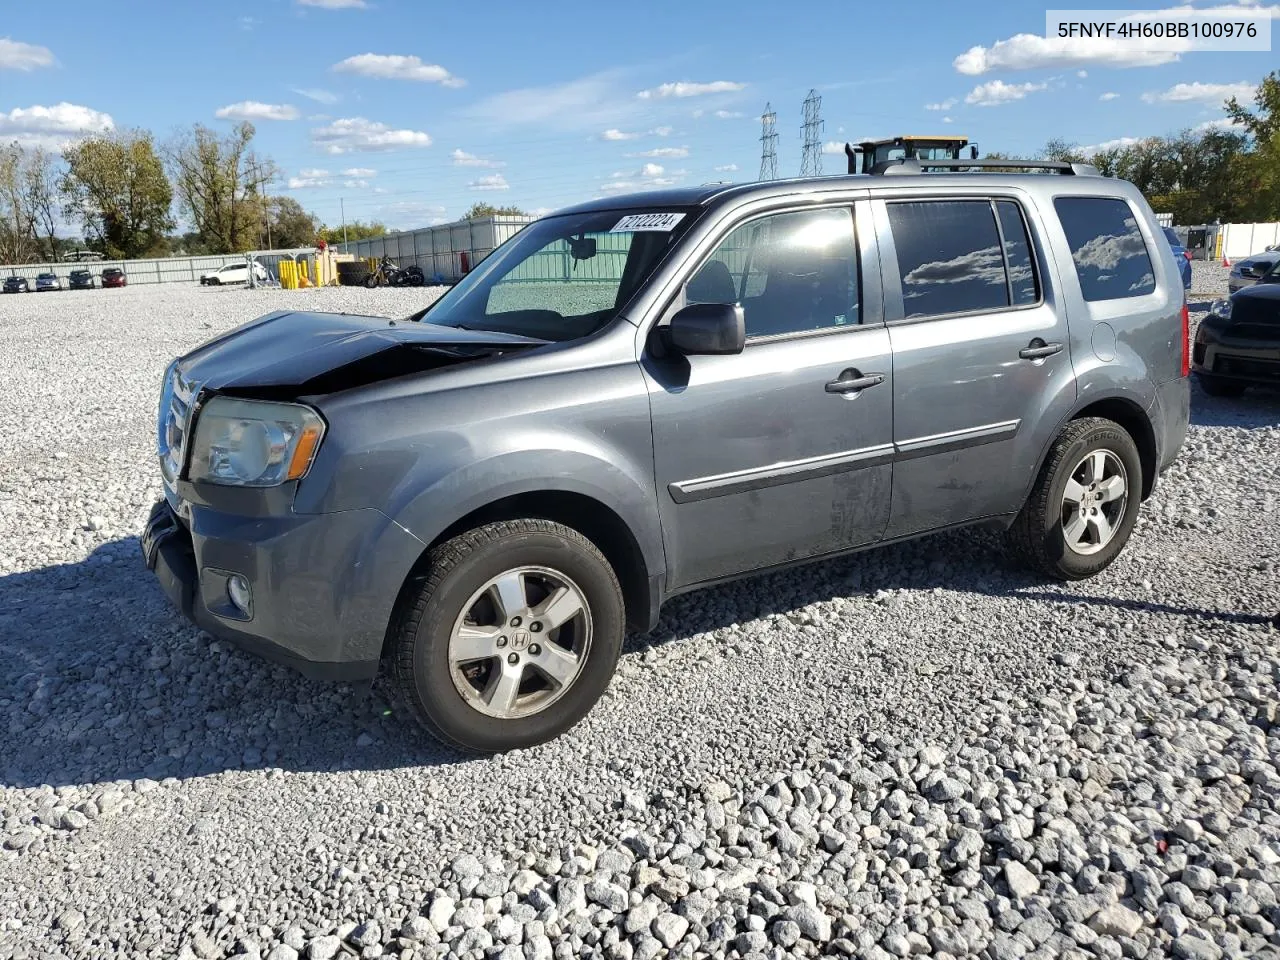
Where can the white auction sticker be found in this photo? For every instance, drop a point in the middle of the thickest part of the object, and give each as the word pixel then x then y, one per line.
pixel 647 221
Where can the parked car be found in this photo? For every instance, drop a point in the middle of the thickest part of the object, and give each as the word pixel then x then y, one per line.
pixel 1181 257
pixel 114 277
pixel 733 379
pixel 1246 272
pixel 233 273
pixel 1238 343
pixel 81 279
pixel 48 281
pixel 16 285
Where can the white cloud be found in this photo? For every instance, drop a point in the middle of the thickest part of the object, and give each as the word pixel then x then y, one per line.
pixel 309 179
pixel 353 134
pixel 833 147
pixel 947 120
pixel 1028 51
pixel 1117 144
pixel 463 159
pixel 541 211
pixel 996 92
pixel 52 127
pixel 684 89
pixel 662 131
pixel 646 178
pixel 1082 74
pixel 253 110
pixel 1201 93
pixel 726 168
pixel 495 181
pixel 359 172
pixel 1109 96
pixel 355 184
pixel 593 102
pixel 658 153
pixel 16 55
pixel 728 114
pixel 397 67
pixel 335 4
pixel 316 94
pixel 946 104
pixel 1221 125
pixel 614 134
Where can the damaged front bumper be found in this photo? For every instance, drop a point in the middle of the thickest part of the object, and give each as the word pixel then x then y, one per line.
pixel 316 605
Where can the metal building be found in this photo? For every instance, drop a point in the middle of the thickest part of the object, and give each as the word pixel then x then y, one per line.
pixel 444 252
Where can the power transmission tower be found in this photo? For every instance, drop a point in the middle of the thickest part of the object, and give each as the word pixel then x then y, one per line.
pixel 769 145
pixel 811 159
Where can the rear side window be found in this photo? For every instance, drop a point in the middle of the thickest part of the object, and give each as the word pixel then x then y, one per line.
pixel 949 257
pixel 1024 290
pixel 1110 256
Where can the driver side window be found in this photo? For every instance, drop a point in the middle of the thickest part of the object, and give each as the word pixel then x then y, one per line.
pixel 791 272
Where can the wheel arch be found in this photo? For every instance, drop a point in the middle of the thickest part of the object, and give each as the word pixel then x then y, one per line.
pixel 1129 414
pixel 639 573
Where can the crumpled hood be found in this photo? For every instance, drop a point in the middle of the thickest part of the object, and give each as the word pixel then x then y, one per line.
pixel 302 353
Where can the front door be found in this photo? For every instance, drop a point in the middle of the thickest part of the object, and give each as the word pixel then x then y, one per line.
pixel 784 451
pixel 980 358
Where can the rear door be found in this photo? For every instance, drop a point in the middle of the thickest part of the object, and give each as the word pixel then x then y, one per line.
pixel 781 452
pixel 980 356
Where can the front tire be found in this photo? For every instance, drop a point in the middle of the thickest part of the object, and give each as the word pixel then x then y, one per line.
pixel 1219 386
pixel 510 637
pixel 1084 504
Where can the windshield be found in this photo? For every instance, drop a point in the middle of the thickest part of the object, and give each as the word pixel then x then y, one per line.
pixel 563 277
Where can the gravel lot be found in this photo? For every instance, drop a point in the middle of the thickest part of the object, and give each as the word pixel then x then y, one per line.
pixel 918 750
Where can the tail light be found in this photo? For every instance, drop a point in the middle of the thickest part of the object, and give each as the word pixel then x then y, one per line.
pixel 1187 254
pixel 1186 340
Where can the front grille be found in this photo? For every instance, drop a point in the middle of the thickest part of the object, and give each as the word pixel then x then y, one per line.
pixel 175 424
pixel 1247 367
pixel 1255 331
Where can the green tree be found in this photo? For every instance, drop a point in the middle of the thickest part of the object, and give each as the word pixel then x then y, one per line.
pixel 290 225
pixel 28 204
pixel 219 183
pixel 480 210
pixel 115 186
pixel 1264 124
pixel 355 230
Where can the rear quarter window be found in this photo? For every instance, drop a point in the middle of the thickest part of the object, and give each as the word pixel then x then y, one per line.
pixel 1110 255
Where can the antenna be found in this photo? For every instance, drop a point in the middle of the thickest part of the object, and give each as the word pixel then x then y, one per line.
pixel 811 159
pixel 769 145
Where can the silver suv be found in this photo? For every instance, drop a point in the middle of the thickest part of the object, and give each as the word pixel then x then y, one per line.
pixel 640 396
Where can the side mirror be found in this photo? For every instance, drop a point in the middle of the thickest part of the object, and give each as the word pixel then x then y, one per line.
pixel 708 328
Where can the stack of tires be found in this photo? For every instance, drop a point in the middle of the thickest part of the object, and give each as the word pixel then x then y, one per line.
pixel 353 273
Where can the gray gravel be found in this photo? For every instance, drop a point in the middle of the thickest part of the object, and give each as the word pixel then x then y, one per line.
pixel 1208 278
pixel 919 750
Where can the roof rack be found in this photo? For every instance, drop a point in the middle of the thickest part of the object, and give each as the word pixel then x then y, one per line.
pixel 906 167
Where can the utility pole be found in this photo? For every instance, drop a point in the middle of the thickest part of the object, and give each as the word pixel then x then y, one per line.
pixel 342 205
pixel 811 159
pixel 769 144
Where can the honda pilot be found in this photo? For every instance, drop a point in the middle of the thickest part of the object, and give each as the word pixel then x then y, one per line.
pixel 645 395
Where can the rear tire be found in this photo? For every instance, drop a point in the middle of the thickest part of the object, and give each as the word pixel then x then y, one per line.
pixel 469 649
pixel 1219 386
pixel 1084 504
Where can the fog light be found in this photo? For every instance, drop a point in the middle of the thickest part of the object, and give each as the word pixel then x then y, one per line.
pixel 238 593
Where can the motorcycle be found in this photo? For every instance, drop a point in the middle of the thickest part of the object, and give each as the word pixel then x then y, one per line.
pixel 388 274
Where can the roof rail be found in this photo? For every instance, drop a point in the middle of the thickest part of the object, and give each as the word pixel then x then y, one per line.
pixel 889 168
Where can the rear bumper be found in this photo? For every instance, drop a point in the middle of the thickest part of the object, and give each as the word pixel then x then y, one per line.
pixel 1171 414
pixel 320 603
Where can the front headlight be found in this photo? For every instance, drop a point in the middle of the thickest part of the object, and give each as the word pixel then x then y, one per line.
pixel 254 443
pixel 1221 308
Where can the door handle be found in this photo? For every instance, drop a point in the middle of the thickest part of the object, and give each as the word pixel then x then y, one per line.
pixel 1037 349
pixel 854 381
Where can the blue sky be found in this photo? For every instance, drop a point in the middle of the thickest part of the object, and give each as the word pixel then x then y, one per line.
pixel 410 111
